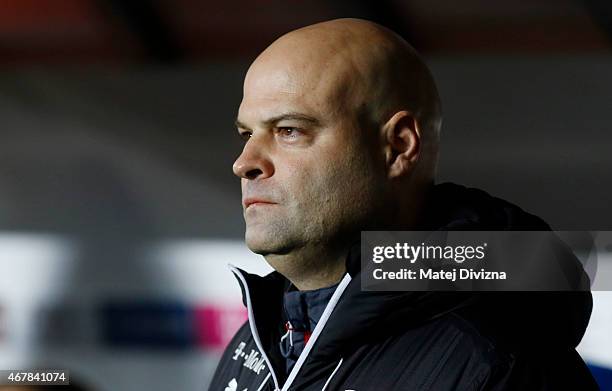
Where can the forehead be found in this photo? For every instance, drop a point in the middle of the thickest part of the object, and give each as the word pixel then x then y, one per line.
pixel 275 85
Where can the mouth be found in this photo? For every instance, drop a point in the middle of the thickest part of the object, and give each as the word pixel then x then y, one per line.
pixel 255 202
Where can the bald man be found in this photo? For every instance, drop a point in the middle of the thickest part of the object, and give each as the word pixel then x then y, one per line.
pixel 341 123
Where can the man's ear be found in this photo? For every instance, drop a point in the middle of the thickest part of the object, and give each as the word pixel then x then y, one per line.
pixel 402 144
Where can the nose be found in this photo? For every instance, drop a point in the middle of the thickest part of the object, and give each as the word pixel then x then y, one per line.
pixel 253 163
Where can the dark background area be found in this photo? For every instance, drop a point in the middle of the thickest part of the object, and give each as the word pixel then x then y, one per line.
pixel 525 88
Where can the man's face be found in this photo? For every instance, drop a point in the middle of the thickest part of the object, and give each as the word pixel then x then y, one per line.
pixel 309 172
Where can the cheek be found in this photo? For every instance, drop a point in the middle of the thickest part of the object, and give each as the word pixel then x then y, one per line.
pixel 355 182
pixel 334 182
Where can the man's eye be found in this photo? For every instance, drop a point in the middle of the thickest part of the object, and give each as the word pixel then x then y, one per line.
pixel 288 131
pixel 245 135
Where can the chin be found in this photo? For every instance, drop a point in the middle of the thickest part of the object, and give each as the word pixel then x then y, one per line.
pixel 259 243
pixel 265 243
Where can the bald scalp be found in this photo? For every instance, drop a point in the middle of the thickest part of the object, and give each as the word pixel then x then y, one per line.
pixel 363 68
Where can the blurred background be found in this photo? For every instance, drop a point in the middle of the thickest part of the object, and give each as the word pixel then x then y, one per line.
pixel 118 207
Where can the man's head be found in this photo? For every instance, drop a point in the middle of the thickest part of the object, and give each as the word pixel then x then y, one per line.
pixel 341 123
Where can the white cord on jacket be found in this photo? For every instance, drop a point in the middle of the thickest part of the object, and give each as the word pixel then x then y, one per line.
pixel 332 375
pixel 264 381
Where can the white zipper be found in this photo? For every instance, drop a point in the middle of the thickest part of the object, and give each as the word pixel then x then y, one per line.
pixel 317 331
pixel 313 338
pixel 254 332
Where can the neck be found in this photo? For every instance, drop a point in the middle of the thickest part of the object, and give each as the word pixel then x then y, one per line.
pixel 310 268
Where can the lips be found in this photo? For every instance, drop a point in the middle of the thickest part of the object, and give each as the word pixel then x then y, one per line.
pixel 256 201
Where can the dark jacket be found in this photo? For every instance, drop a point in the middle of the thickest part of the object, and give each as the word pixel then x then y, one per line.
pixel 418 340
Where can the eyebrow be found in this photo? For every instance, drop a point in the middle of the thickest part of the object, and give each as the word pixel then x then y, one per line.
pixel 287 116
